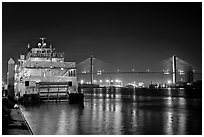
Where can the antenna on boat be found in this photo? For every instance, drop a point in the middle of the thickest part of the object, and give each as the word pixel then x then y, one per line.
pixel 43 43
pixel 43 40
pixel 28 47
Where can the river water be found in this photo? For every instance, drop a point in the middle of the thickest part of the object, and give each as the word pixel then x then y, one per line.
pixel 119 112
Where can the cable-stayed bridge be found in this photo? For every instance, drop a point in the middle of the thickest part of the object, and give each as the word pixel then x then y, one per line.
pixel 172 69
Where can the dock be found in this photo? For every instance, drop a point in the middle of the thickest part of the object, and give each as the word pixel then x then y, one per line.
pixel 14 122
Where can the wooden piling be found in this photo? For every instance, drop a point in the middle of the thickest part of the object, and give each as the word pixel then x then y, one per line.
pixel 10 78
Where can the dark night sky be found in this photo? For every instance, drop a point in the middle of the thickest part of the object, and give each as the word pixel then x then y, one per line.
pixel 127 35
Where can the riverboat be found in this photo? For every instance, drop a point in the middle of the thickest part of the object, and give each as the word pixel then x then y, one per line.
pixel 43 74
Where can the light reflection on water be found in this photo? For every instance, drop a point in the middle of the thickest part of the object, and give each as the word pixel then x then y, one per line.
pixel 114 113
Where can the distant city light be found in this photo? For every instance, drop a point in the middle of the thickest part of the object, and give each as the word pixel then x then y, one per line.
pixel 169 81
pixel 141 84
pixel 166 72
pixel 181 72
pixel 82 81
pixel 107 81
pixel 99 72
pixel 94 81
pixel 100 81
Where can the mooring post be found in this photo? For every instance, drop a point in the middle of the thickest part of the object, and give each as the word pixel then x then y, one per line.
pixel 10 78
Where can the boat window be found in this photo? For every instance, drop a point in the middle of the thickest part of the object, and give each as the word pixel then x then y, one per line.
pixel 74 73
pixel 71 74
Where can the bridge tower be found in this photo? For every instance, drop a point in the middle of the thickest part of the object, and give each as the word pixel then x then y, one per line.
pixel 174 69
pixel 91 69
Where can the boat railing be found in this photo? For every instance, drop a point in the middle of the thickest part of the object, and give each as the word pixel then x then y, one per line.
pixel 46 55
